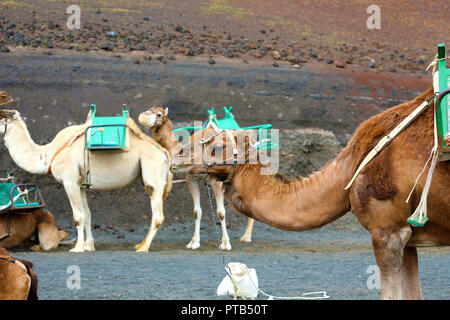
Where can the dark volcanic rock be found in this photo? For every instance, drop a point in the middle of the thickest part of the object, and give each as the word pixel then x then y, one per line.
pixel 108 46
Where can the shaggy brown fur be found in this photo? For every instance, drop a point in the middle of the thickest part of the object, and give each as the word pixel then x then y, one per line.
pixel 378 181
pixel 18 281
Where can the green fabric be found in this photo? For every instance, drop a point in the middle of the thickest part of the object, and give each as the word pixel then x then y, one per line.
pixel 5 196
pixel 265 131
pixel 444 82
pixel 107 137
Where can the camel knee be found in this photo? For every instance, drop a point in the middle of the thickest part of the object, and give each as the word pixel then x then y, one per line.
pixel 157 222
pixel 149 190
pixel 78 216
pixel 389 248
pixel 197 214
pixel 221 215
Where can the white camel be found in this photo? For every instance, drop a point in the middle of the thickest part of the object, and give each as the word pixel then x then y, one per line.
pixel 65 159
pixel 157 121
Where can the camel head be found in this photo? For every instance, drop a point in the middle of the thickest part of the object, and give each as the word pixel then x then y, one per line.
pixel 217 151
pixel 7 117
pixel 49 234
pixel 5 98
pixel 154 117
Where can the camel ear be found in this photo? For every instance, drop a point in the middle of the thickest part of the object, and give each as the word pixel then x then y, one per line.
pixel 166 111
pixel 89 116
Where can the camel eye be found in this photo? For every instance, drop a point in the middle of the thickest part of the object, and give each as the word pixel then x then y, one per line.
pixel 159 114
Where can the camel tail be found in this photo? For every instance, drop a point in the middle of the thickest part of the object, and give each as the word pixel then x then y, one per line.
pixel 33 293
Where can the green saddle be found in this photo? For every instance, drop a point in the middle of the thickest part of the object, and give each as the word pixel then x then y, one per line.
pixel 442 113
pixel 107 133
pixel 10 198
pixel 266 135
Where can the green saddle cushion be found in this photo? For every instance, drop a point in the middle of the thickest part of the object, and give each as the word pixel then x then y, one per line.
pixel 107 132
pixel 5 196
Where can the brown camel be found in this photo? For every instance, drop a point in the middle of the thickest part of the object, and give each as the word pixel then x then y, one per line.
pixel 23 226
pixel 157 120
pixel 377 196
pixel 17 278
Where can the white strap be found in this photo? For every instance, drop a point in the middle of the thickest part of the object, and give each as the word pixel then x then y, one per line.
pixel 238 291
pixel 14 199
pixel 386 139
pixel 305 296
pixel 421 209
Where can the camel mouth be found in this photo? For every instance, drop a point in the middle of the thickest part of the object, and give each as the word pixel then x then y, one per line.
pixel 188 168
pixel 62 235
pixel 147 120
pixel 181 168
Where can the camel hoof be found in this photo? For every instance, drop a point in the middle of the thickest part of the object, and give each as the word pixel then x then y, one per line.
pixel 225 246
pixel 140 244
pixel 77 249
pixel 193 245
pixel 245 239
pixel 89 247
pixel 141 248
pixel 36 247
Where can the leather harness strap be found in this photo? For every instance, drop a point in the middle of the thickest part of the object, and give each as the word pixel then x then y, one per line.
pixel 230 174
pixel 387 138
pixel 61 149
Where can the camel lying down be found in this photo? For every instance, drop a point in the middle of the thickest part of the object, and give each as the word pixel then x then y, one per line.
pixel 24 226
pixel 17 278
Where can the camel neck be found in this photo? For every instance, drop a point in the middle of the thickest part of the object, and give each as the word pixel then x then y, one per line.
pixel 24 151
pixel 299 205
pixel 165 136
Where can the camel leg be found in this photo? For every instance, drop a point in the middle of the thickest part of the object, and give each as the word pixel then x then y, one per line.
pixel 410 275
pixel 154 183
pixel 156 198
pixel 76 202
pixel 217 189
pixel 192 184
pixel 247 236
pixel 388 247
pixel 89 243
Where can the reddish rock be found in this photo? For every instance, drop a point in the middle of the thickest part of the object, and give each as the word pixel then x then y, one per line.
pixel 339 64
